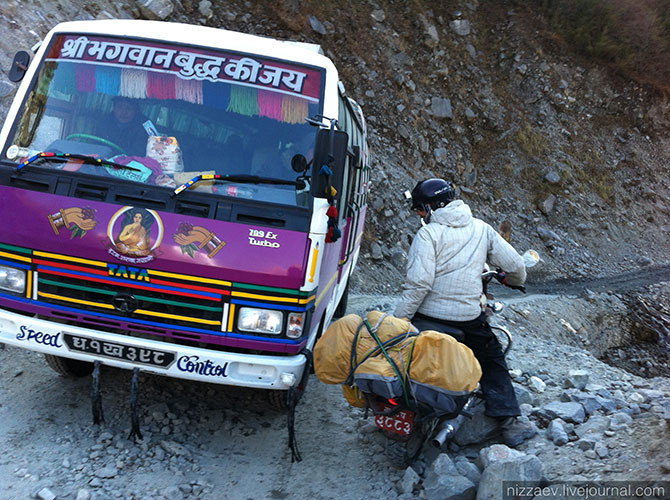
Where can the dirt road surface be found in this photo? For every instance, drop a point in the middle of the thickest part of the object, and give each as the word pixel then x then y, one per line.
pixel 209 442
pixel 200 440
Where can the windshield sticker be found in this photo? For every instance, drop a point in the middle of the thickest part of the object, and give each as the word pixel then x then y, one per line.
pixel 142 173
pixel 260 238
pixel 189 63
pixel 134 234
pixel 77 220
pixel 188 235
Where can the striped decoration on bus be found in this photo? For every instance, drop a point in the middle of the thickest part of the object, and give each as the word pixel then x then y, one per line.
pixel 166 300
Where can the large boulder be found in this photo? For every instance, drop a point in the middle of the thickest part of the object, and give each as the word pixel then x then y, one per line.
pixel 577 379
pixel 504 464
pixel 557 432
pixel 568 412
pixel 408 482
pixel 595 426
pixel 157 10
pixel 444 481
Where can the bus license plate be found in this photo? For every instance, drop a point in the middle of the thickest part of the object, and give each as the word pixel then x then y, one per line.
pixel 400 423
pixel 114 350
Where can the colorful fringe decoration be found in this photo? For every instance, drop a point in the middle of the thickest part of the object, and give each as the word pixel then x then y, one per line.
pixel 188 90
pixel 84 77
pixel 293 109
pixel 107 80
pixel 160 85
pixel 64 79
pixel 215 95
pixel 269 104
pixel 142 84
pixel 243 100
pixel 133 83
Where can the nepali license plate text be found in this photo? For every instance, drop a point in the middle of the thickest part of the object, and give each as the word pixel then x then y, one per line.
pixel 400 423
pixel 115 350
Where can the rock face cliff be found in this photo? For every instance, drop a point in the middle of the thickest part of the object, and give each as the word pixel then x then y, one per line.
pixel 483 93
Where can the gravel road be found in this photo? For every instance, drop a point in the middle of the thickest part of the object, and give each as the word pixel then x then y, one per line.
pixel 621 282
pixel 200 441
pixel 209 442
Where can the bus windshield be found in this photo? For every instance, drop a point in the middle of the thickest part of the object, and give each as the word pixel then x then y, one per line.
pixel 172 112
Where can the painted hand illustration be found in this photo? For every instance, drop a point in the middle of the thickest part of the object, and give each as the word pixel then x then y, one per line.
pixel 77 220
pixel 188 235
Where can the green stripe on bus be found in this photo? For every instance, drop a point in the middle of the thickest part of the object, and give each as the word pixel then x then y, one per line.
pixel 268 289
pixel 16 249
pixel 141 297
pixel 180 304
pixel 76 287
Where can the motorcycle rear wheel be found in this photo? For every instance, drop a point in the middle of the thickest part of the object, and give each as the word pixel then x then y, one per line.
pixel 402 454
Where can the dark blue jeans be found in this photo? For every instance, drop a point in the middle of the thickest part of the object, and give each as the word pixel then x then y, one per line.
pixel 496 384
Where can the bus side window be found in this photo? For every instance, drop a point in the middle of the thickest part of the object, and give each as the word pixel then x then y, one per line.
pixel 352 170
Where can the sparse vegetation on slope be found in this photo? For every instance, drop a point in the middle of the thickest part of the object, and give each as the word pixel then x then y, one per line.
pixel 633 36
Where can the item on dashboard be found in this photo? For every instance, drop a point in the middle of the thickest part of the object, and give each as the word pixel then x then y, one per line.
pixel 166 151
pixel 166 181
pixel 150 128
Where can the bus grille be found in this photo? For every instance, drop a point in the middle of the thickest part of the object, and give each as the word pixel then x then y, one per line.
pixel 164 308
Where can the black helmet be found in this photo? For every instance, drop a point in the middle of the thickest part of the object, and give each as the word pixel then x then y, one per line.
pixel 432 194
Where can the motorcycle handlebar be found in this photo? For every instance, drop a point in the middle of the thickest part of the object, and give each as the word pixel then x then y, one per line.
pixel 499 276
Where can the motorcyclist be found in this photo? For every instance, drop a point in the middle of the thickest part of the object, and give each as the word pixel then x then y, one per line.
pixel 443 287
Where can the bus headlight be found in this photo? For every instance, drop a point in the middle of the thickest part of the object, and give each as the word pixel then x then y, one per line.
pixel 12 279
pixel 251 319
pixel 295 324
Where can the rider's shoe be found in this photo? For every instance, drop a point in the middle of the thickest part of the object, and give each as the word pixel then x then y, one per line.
pixel 515 430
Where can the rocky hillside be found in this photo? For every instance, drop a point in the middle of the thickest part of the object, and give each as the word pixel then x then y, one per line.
pixel 483 93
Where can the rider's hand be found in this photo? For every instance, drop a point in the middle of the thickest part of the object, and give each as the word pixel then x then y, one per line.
pixel 503 280
pixel 500 276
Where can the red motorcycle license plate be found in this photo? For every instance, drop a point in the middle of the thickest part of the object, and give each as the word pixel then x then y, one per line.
pixel 400 423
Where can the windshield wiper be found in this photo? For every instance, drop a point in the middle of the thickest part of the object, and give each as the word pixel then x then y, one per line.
pixel 244 179
pixel 89 160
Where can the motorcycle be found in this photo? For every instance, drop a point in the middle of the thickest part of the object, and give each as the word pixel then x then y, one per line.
pixel 409 426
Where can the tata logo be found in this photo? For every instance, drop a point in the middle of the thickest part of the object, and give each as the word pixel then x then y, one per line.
pixel 128 272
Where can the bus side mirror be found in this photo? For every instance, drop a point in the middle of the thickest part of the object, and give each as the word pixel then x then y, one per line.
pixel 330 153
pixel 299 163
pixel 19 66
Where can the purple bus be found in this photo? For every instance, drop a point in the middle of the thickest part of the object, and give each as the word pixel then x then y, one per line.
pixel 182 200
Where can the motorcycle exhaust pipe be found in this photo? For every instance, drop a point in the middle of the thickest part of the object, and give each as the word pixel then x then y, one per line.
pixel 447 430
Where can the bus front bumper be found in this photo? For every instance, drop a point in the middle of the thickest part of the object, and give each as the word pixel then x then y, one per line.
pixel 162 358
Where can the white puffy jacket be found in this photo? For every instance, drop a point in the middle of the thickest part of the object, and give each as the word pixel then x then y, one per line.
pixel 446 261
